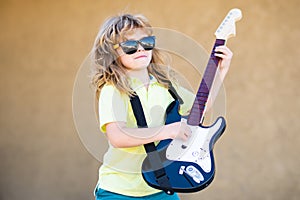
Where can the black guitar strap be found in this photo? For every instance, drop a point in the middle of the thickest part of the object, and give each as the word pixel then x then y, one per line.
pixel 153 156
pixel 174 94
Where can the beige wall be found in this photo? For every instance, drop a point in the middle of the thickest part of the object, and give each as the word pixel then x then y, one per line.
pixel 42 44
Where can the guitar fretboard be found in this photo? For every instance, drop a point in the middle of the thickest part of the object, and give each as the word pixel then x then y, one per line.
pixel 197 111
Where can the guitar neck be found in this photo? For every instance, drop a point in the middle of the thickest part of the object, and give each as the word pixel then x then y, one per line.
pixel 197 112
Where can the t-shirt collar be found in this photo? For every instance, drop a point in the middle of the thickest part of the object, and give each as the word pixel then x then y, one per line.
pixel 136 83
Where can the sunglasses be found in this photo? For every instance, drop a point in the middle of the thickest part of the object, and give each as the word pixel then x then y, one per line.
pixel 131 46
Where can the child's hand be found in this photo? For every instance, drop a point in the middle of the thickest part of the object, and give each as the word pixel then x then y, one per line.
pixel 225 54
pixel 179 130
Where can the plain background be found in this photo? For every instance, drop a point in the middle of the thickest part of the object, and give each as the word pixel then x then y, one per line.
pixel 42 44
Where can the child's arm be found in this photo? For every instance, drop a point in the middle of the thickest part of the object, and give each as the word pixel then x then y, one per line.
pixel 121 136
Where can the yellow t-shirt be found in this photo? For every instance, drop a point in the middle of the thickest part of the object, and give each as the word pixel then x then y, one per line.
pixel 121 169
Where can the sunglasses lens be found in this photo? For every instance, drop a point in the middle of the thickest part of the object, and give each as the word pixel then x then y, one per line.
pixel 148 43
pixel 129 47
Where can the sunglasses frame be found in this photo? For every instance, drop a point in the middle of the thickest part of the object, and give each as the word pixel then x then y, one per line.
pixel 137 42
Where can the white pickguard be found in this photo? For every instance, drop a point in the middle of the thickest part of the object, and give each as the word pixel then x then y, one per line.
pixel 196 148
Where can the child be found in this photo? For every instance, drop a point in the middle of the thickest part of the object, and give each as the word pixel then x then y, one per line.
pixel 127 62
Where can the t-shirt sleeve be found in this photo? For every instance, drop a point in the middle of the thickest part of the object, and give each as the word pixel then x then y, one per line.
pixel 112 107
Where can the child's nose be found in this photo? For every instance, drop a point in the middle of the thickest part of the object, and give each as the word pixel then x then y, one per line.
pixel 140 48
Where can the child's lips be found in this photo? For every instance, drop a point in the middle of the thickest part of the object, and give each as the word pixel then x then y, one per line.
pixel 140 56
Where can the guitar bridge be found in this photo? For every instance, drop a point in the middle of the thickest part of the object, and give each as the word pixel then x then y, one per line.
pixel 193 172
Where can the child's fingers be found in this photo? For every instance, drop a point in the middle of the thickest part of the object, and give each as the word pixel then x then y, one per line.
pixel 220 55
pixel 185 131
pixel 222 48
pixel 223 52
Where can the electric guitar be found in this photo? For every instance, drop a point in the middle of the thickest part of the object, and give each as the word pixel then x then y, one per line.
pixel 189 166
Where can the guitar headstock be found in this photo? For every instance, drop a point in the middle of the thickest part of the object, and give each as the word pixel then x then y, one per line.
pixel 227 27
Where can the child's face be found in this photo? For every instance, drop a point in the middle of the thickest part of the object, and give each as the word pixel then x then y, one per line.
pixel 138 60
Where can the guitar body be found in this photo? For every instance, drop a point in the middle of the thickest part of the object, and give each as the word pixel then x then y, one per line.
pixel 190 166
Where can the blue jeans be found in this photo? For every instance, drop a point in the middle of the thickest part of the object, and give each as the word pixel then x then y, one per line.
pixel 106 195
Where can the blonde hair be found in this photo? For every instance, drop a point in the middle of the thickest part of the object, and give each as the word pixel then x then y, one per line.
pixel 108 68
